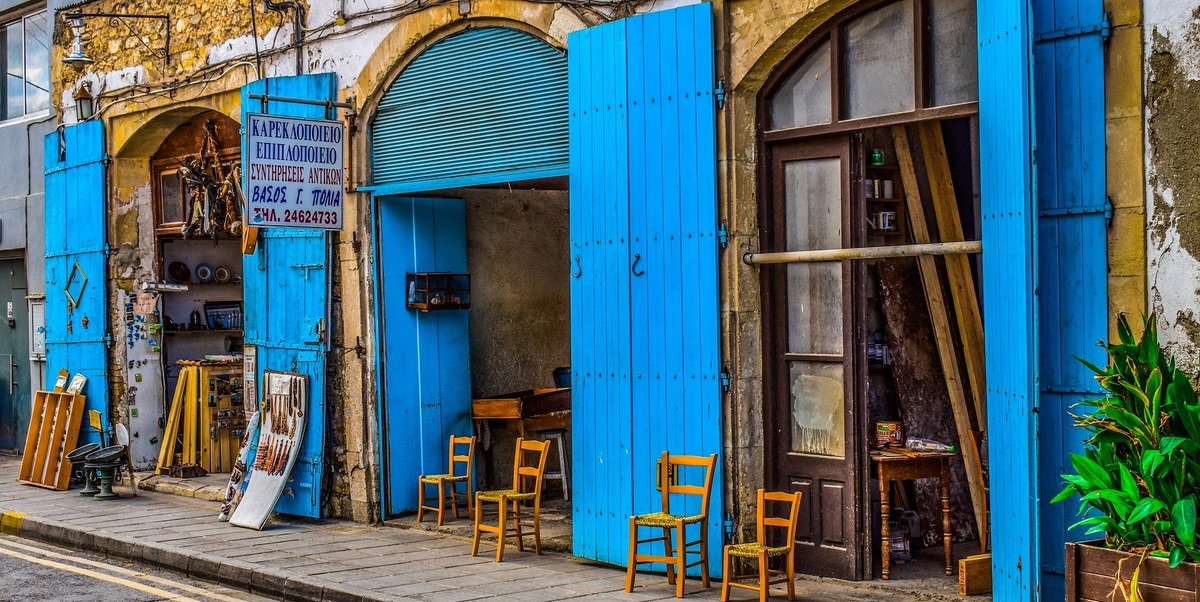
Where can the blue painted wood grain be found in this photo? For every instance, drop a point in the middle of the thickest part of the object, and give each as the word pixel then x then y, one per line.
pixel 645 336
pixel 75 240
pixel 424 357
pixel 1010 313
pixel 1072 266
pixel 286 306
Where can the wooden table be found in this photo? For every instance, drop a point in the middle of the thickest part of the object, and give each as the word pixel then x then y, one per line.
pixel 523 412
pixel 894 465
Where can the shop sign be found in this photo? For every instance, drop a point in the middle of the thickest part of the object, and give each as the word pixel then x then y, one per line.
pixel 295 173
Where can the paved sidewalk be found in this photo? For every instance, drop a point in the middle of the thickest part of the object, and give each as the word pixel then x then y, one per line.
pixel 337 560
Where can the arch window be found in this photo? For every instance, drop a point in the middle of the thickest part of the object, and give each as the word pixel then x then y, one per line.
pixel 904 60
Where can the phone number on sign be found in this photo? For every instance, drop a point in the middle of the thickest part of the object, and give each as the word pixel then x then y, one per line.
pixel 298 216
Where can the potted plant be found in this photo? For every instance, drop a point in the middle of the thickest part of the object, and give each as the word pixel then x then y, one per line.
pixel 1138 479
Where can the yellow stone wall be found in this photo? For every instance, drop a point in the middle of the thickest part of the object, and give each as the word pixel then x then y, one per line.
pixel 1126 171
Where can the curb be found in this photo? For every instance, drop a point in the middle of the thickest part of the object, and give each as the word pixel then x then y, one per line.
pixel 207 567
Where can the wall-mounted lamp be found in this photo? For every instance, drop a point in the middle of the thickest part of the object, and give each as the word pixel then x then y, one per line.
pixel 77 59
pixel 85 104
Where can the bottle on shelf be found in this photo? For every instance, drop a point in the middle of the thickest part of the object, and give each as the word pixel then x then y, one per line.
pixel 918 444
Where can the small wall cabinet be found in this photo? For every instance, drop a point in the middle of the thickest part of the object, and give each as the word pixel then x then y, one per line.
pixel 438 290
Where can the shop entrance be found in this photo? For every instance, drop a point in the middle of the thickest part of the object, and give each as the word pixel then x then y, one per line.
pixel 871 158
pixel 470 245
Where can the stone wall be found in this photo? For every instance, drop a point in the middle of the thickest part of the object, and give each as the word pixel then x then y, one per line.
pixel 1172 71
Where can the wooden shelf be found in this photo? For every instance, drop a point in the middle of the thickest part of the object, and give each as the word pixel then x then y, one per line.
pixel 438 290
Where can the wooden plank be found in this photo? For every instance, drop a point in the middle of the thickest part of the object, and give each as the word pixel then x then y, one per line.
pixel 924 402
pixel 941 328
pixel 41 452
pixel 74 417
pixel 975 575
pixel 49 469
pixel 36 416
pixel 958 268
pixel 189 417
pixel 166 453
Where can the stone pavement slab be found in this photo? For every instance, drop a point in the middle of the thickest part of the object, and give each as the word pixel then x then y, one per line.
pixel 336 560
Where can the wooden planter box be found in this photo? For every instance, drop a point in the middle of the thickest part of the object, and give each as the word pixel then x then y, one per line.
pixel 1092 569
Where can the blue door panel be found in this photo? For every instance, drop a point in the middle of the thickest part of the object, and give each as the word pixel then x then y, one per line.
pixel 76 262
pixel 1006 150
pixel 1072 227
pixel 424 356
pixel 643 199
pixel 286 283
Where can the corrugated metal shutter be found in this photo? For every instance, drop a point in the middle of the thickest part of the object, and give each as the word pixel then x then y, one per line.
pixel 483 106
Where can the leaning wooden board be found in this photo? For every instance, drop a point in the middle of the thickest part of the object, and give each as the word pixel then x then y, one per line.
pixel 283 416
pixel 53 432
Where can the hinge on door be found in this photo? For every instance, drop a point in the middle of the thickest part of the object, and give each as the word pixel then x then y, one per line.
pixel 720 93
pixel 722 236
pixel 320 330
pixel 1104 28
pixel 1106 208
pixel 725 380
pixel 108 340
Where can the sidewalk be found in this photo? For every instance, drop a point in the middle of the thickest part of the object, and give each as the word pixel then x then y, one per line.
pixel 337 560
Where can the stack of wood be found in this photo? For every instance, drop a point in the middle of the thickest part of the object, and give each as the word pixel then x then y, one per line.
pixel 945 318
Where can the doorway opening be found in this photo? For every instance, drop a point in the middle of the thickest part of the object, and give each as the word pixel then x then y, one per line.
pixel 871 157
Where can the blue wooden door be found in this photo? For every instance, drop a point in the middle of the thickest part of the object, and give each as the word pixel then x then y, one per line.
pixel 76 276
pixel 286 283
pixel 1010 275
pixel 644 299
pixel 1068 53
pixel 424 357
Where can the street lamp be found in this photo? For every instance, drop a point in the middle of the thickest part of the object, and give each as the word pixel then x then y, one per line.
pixel 85 104
pixel 77 60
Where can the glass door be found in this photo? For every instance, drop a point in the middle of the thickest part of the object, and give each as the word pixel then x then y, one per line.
pixel 810 401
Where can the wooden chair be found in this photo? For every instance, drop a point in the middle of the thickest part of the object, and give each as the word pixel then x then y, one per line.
pixel 528 467
pixel 762 552
pixel 669 469
pixel 452 479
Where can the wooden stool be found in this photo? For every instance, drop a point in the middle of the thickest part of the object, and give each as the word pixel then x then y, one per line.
pixel 563 474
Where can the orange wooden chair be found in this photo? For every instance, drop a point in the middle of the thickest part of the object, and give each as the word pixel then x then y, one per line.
pixel 529 466
pixel 762 552
pixel 452 479
pixel 669 469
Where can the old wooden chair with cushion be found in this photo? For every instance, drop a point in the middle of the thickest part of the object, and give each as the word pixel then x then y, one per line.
pixel 761 550
pixel 529 466
pixel 450 481
pixel 670 476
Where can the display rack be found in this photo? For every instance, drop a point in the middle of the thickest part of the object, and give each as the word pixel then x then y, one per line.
pixel 438 290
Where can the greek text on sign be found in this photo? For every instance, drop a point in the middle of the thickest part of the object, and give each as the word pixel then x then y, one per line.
pixel 295 172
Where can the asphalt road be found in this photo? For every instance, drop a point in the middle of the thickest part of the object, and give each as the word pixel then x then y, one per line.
pixel 35 571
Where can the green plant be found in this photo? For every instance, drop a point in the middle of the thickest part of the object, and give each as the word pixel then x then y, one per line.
pixel 1140 469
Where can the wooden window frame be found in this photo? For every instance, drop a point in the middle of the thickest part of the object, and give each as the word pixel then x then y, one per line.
pixel 160 166
pixel 834 32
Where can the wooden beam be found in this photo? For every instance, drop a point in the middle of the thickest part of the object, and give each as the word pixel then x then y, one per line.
pixel 937 248
pixel 939 315
pixel 958 269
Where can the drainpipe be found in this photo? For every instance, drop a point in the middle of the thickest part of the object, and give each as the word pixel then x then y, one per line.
pixel 298 27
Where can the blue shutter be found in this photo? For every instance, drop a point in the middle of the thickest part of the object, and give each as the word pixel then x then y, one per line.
pixel 76 263
pixel 645 325
pixel 1068 53
pixel 286 284
pixel 482 106
pixel 1006 148
pixel 424 357
pixel 601 396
